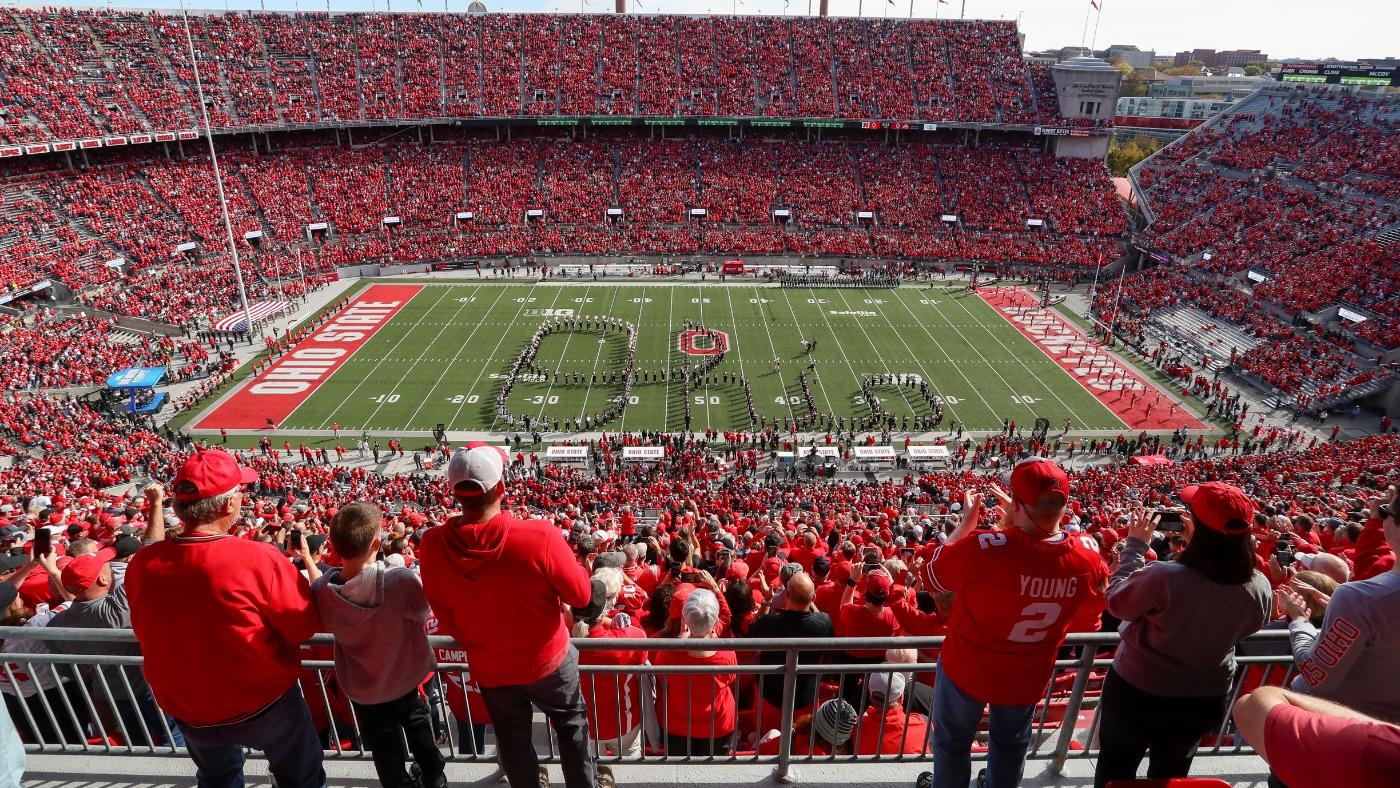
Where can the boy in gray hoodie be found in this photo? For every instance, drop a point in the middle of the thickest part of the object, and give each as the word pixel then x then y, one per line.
pixel 377 614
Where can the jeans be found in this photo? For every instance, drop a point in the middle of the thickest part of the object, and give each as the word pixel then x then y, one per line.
pixel 557 695
pixel 471 739
pixel 1132 722
pixel 956 716
pixel 141 708
pixel 284 733
pixel 385 726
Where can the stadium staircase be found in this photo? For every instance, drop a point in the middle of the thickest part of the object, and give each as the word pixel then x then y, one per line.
pixel 1213 336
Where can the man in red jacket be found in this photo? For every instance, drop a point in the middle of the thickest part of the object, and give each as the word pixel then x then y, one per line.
pixel 519 653
pixel 221 621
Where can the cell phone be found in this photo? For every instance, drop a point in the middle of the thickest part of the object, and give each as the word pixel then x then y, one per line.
pixel 295 538
pixel 724 556
pixel 1169 521
pixel 872 557
pixel 906 551
pixel 43 542
pixel 1283 553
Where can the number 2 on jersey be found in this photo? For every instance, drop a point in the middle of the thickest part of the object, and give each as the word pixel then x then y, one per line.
pixel 1037 617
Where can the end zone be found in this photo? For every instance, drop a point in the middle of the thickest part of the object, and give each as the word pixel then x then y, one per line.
pixel 280 389
pixel 1132 398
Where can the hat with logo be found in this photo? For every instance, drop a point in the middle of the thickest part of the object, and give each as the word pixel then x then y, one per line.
pixel 1220 507
pixel 210 473
pixel 476 469
pixel 1036 479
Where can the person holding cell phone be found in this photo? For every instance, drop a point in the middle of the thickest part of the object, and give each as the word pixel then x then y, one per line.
pixel 1181 619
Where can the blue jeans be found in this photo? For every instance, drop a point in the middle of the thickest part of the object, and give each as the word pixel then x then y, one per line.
pixel 955 718
pixel 284 733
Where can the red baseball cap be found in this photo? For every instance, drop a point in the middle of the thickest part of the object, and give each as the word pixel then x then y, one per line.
pixel 209 473
pixel 83 571
pixel 1220 507
pixel 879 583
pixel 1035 479
pixel 678 598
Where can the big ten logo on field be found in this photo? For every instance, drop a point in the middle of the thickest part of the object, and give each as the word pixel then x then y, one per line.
pixel 549 313
pixel 703 343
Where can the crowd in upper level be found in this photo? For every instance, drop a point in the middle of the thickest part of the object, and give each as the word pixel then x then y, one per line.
pixel 85 73
pixel 1293 185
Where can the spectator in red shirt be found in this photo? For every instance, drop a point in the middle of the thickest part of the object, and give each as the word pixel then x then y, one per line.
pixel 519 652
pixel 869 618
pixel 697 713
pixel 1314 743
pixel 614 701
pixel 1019 589
pixel 221 621
pixel 885 728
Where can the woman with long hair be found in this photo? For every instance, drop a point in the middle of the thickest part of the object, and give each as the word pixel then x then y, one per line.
pixel 1171 677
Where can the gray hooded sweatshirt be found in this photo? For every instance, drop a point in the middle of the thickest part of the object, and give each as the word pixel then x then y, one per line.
pixel 377 617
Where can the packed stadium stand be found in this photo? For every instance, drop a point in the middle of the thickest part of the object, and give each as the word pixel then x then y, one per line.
pixel 91 73
pixel 350 140
pixel 1279 217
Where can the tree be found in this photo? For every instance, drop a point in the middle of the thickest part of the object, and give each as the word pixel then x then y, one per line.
pixel 1193 69
pixel 1132 84
pixel 1253 70
pixel 1122 157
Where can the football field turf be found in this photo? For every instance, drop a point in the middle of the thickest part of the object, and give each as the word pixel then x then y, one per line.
pixel 443 356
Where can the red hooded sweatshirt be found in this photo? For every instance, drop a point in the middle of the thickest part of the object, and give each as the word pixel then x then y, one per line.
pixel 497 588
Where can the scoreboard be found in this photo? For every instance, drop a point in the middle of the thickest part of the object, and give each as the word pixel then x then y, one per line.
pixel 1361 74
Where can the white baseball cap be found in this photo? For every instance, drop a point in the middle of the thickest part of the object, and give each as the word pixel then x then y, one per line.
pixel 476 469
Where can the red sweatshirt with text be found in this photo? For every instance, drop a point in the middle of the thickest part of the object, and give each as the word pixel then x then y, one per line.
pixel 498 588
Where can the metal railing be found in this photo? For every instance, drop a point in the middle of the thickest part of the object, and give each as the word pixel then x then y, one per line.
pixel 91 704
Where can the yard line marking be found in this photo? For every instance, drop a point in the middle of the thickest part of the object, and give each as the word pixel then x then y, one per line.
pixel 871 342
pixel 563 355
pixel 449 365
pixel 709 421
pixel 927 377
pixel 934 341
pixel 641 307
pixel 415 362
pixel 583 409
pixel 820 383
pixel 774 348
pixel 1016 358
pixel 356 390
pixel 524 301
pixel 670 316
pixel 855 376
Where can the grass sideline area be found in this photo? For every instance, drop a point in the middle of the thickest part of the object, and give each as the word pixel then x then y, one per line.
pixel 442 358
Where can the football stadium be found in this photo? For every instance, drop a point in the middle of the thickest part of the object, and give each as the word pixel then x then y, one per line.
pixel 408 393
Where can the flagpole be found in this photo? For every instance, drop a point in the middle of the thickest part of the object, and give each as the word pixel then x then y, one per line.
pixel 218 176
pixel 1097 17
pixel 911 9
pixel 1084 36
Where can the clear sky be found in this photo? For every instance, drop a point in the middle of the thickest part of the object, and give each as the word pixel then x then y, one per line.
pixel 1347 29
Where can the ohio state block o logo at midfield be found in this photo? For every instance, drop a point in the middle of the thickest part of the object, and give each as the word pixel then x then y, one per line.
pixel 703 343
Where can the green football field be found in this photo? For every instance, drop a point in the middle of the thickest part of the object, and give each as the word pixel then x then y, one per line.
pixel 443 357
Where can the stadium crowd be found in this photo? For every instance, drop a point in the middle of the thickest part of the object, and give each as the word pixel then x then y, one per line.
pixel 1279 187
pixel 703 517
pixel 262 69
pixel 119 234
